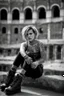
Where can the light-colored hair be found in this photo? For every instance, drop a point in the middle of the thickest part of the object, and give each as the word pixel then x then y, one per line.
pixel 26 29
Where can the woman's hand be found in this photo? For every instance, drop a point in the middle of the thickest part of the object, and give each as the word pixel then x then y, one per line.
pixel 34 64
pixel 28 60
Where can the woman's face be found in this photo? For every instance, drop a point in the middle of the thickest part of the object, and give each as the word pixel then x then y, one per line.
pixel 30 35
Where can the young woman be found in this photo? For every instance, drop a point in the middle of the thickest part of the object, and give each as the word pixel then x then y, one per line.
pixel 30 57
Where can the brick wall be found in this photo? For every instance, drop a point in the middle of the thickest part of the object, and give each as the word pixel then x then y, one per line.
pixel 41 2
pixel 55 2
pixel 56 30
pixel 3 36
pixel 16 38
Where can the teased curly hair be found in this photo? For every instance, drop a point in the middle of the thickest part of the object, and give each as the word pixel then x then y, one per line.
pixel 26 29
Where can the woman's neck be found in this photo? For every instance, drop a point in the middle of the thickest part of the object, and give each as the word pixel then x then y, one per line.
pixel 32 42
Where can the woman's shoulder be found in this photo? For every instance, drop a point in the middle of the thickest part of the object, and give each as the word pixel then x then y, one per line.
pixel 23 44
pixel 40 43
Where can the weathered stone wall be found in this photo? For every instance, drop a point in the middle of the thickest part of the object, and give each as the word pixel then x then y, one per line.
pixel 20 4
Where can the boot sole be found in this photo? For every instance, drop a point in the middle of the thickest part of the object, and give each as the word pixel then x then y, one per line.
pixel 2 88
pixel 12 92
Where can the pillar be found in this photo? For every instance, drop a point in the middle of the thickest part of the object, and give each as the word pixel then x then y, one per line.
pixel 63 33
pixel 62 53
pixel 34 12
pixel 55 52
pixel 34 16
pixel 9 16
pixel 48 12
pixel 47 52
pixel 9 36
pixel 22 17
pixel 48 15
pixel 48 32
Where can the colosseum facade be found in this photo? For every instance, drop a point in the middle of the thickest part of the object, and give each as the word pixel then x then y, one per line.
pixel 46 15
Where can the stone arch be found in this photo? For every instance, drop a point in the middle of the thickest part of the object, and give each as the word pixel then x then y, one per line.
pixel 3 13
pixel 15 30
pixel 28 13
pixel 41 12
pixel 3 30
pixel 55 11
pixel 15 14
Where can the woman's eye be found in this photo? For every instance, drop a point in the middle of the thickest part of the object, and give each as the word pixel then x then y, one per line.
pixel 30 33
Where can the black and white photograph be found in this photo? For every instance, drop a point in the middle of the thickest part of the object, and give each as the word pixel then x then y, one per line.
pixel 31 47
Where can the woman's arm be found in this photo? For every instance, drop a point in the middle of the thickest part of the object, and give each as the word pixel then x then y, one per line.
pixel 42 52
pixel 43 56
pixel 22 49
pixel 23 53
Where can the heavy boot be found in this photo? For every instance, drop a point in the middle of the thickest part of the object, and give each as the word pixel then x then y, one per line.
pixel 8 80
pixel 11 73
pixel 15 86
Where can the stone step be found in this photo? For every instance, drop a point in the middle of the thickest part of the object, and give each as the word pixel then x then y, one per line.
pixel 53 72
pixel 49 82
pixel 54 69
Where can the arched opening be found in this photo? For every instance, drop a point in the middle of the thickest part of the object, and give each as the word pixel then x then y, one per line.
pixel 3 30
pixel 16 30
pixel 55 11
pixel 15 14
pixel 28 14
pixel 59 52
pixel 51 55
pixel 3 14
pixel 1 51
pixel 9 52
pixel 41 13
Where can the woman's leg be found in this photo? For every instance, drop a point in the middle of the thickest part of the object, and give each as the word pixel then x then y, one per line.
pixel 15 86
pixel 18 60
pixel 9 79
pixel 38 71
pixel 34 73
pixel 10 76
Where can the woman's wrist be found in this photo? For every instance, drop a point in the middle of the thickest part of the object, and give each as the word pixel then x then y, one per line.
pixel 26 56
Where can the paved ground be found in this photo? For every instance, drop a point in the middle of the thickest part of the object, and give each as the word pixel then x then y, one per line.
pixel 30 91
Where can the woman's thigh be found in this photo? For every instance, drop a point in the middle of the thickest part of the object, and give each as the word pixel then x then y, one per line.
pixel 34 73
pixel 19 60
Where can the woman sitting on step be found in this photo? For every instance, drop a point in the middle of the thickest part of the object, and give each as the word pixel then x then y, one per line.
pixel 30 57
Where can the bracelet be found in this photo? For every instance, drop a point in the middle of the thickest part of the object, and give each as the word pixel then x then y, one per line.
pixel 25 57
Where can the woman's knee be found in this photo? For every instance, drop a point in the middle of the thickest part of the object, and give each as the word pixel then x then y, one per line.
pixel 18 60
pixel 14 67
pixel 40 70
